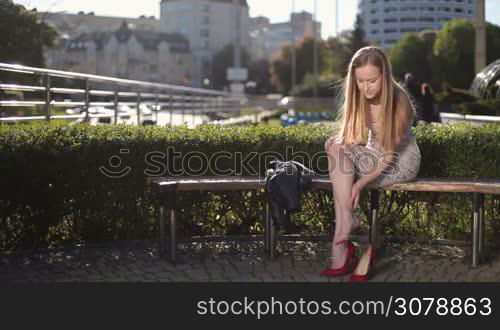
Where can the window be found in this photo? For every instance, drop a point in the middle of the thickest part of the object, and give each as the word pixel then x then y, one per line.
pixel 205 33
pixel 205 20
pixel 374 31
pixel 390 20
pixel 205 44
pixel 426 19
pixel 404 30
pixel 183 6
pixel 408 19
pixel 408 8
pixel 390 30
pixel 374 21
pixel 459 10
pixel 206 66
pixel 205 7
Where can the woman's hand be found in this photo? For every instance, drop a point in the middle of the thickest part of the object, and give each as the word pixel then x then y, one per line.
pixel 355 192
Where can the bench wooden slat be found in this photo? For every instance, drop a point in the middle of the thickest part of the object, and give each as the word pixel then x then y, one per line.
pixel 486 188
pixel 214 183
pixel 482 185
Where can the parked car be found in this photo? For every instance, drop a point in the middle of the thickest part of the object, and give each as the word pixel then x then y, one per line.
pixel 292 118
pixel 126 114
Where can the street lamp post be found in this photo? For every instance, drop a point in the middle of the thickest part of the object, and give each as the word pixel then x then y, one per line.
pixel 480 47
pixel 294 60
pixel 237 75
pixel 315 54
pixel 337 18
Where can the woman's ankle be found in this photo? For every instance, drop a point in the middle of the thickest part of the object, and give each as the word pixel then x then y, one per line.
pixel 339 253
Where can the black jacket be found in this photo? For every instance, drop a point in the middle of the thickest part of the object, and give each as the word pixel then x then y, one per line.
pixel 285 182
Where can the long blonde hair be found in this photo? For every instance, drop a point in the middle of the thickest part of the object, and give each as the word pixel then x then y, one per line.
pixel 396 109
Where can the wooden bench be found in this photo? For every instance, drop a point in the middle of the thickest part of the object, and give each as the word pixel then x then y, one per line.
pixel 166 189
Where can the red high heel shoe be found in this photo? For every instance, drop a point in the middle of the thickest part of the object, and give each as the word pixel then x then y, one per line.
pixel 349 260
pixel 364 270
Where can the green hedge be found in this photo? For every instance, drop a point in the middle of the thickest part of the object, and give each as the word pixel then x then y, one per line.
pixel 54 192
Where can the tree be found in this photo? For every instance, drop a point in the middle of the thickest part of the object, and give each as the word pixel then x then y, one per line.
pixel 454 52
pixel 260 74
pixel 338 55
pixel 23 36
pixel 411 54
pixel 281 67
pixel 342 48
pixel 223 60
pixel 357 38
pixel 281 70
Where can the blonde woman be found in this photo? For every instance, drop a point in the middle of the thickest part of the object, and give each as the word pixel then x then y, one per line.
pixel 375 147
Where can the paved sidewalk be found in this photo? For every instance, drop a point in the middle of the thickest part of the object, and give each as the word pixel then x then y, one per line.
pixel 240 261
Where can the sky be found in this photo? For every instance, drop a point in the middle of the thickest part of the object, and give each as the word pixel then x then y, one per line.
pixel 275 10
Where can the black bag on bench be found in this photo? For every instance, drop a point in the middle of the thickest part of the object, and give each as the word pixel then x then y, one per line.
pixel 285 183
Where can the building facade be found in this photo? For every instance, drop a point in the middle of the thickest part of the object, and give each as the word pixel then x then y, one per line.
pixel 209 25
pixel 266 39
pixel 72 25
pixel 386 21
pixel 126 53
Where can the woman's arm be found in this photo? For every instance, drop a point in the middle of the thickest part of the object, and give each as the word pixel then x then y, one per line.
pixel 382 164
pixel 403 117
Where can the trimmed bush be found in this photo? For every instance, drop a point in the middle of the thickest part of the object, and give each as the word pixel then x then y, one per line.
pixel 54 190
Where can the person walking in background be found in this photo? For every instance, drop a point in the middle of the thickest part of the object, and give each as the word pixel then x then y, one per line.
pixel 413 88
pixel 429 111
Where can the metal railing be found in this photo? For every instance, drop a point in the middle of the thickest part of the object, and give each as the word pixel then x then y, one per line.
pixel 112 93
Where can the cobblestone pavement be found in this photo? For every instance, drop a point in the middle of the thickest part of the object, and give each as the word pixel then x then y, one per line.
pixel 241 262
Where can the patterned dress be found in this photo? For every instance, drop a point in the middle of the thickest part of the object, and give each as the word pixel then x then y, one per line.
pixel 403 168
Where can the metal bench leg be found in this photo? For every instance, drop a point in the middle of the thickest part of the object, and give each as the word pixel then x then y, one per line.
pixel 272 240
pixel 171 199
pixel 166 195
pixel 163 204
pixel 482 224
pixel 267 227
pixel 475 228
pixel 374 206
pixel 161 221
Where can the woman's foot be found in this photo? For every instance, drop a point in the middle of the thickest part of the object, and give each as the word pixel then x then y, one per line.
pixel 346 230
pixel 347 263
pixel 339 254
pixel 364 269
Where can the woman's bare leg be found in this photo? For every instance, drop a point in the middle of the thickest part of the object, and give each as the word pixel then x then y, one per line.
pixel 341 170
